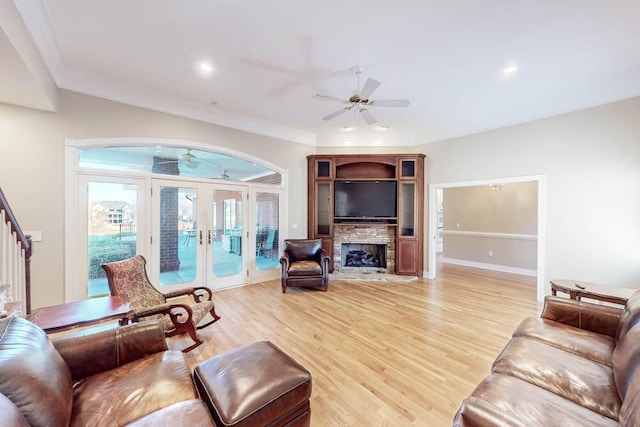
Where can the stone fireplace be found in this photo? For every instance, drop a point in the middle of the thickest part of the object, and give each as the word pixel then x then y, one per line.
pixel 364 248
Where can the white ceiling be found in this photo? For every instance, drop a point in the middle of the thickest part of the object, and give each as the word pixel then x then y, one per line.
pixel 270 57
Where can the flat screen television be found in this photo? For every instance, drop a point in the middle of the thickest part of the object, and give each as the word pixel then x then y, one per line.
pixel 372 199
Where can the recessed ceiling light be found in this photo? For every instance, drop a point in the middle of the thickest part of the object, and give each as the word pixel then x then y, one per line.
pixel 383 127
pixel 509 69
pixel 214 102
pixel 348 128
pixel 204 68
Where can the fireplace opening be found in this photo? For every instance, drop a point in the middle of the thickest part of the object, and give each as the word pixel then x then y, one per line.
pixel 364 255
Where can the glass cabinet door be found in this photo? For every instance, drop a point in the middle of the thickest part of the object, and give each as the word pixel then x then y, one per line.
pixel 323 208
pixel 407 210
pixel 323 168
pixel 407 168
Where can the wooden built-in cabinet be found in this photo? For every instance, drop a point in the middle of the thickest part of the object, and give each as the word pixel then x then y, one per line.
pixel 406 170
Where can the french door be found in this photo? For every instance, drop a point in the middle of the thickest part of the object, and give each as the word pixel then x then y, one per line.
pixel 198 234
pixel 192 233
pixel 110 212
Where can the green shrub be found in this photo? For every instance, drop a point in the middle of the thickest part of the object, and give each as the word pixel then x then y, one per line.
pixel 108 248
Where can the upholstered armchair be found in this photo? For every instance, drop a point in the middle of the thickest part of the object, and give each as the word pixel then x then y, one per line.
pixel 304 263
pixel 129 278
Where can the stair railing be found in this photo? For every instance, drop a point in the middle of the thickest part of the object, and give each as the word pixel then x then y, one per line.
pixel 15 264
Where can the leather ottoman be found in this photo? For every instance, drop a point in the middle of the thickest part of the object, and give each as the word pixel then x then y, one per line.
pixel 255 385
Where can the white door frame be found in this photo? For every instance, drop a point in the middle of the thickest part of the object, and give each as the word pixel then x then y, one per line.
pixel 433 219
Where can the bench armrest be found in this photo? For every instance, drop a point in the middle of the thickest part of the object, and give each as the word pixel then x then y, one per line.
pixel 597 318
pixel 94 353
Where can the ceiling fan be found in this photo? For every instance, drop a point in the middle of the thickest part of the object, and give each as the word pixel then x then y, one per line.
pixel 188 159
pixel 359 100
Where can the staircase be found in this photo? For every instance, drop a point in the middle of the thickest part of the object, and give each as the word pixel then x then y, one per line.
pixel 15 261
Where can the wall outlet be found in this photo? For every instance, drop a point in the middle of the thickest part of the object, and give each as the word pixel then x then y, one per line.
pixel 490 253
pixel 457 225
pixel 294 226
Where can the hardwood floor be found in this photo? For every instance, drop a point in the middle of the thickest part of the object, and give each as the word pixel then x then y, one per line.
pixel 380 353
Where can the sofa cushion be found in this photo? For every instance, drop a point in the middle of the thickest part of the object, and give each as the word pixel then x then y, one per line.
pixel 132 391
pixel 573 377
pixel 33 375
pixel 630 315
pixel 190 413
pixel 593 346
pixel 305 268
pixel 509 401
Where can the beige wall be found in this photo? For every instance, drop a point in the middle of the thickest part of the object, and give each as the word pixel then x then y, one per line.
pixel 510 211
pixel 32 167
pixel 591 163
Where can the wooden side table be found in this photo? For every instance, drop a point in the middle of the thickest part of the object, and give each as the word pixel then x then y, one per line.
pixel 578 290
pixel 81 313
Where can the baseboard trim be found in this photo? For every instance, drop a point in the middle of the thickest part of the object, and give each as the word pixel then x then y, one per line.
pixel 494 267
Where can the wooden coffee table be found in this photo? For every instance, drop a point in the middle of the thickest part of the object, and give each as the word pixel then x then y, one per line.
pixel 82 313
pixel 578 290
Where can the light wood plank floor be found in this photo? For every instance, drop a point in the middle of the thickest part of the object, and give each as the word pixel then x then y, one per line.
pixel 380 353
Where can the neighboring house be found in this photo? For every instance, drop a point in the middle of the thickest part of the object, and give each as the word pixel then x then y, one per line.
pixel 112 212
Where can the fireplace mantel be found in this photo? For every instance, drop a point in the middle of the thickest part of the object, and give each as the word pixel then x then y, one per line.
pixel 403 234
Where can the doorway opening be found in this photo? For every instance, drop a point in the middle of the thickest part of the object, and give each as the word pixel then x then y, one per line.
pixel 439 228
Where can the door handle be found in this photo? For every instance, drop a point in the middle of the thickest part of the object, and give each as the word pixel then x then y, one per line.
pixel 209 236
pixel 200 236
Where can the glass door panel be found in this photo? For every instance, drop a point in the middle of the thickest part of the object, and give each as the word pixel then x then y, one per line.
pixel 112 234
pixel 226 237
pixel 178 235
pixel 267 230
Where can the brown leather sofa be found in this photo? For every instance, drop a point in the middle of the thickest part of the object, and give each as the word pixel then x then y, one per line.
pixel 124 376
pixel 578 364
pixel 304 263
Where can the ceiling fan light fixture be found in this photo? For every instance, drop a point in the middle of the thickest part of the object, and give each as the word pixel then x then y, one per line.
pixel 361 99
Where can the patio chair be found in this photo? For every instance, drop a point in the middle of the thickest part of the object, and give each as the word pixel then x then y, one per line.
pixel 129 278
pixel 267 244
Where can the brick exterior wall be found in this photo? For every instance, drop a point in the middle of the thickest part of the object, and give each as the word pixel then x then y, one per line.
pixel 268 215
pixel 274 178
pixel 169 210
pixel 375 234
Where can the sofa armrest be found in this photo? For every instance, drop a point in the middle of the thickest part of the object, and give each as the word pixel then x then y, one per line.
pixel 601 319
pixel 94 353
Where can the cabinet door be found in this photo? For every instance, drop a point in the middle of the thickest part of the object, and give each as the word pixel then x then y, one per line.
pixel 407 169
pixel 407 211
pixel 406 259
pixel 324 206
pixel 324 168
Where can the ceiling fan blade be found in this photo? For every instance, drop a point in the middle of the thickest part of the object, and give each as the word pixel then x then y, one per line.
pixel 368 117
pixel 337 113
pixel 326 98
pixel 369 87
pixel 165 162
pixel 389 103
